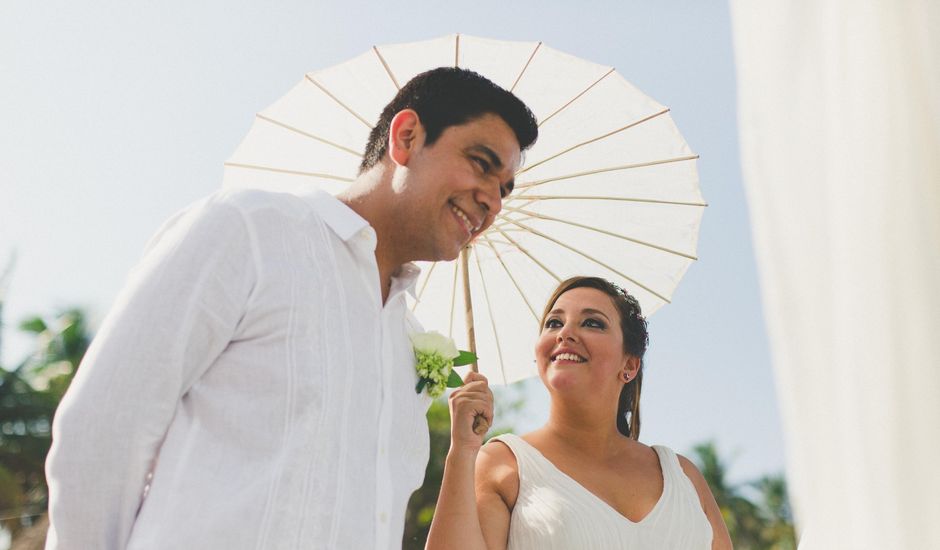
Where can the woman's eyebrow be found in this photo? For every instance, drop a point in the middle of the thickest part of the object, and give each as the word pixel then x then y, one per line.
pixel 596 312
pixel 587 310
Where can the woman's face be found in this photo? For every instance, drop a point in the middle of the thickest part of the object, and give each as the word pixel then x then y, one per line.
pixel 581 343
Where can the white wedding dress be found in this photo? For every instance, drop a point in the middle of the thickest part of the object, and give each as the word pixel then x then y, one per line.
pixel 553 511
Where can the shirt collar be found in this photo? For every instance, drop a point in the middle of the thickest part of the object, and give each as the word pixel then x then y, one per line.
pixel 406 279
pixel 346 223
pixel 343 220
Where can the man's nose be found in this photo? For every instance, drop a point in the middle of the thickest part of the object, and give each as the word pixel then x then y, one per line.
pixel 490 199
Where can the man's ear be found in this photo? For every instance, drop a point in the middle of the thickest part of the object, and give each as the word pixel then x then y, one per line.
pixel 404 133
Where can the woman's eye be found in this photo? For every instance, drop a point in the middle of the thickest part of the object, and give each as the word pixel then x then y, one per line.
pixel 553 323
pixel 594 323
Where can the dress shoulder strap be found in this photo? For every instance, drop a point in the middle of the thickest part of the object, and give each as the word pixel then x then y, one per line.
pixel 672 470
pixel 515 443
pixel 526 455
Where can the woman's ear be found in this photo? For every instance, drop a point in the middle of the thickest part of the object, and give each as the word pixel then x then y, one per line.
pixel 631 366
pixel 403 135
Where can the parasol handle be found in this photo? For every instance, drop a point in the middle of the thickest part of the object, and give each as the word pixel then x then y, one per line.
pixel 480 425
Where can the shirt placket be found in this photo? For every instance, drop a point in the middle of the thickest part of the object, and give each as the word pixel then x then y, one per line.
pixel 383 471
pixel 383 467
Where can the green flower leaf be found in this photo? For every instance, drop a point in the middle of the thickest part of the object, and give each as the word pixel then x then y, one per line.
pixel 421 383
pixel 34 325
pixel 465 358
pixel 454 380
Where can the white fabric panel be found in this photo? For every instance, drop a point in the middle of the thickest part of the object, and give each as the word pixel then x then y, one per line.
pixel 501 61
pixel 412 58
pixel 541 88
pixel 840 139
pixel 362 85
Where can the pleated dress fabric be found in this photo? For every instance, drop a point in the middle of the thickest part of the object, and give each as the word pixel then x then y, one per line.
pixel 553 511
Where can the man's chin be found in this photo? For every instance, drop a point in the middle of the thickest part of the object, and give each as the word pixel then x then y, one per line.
pixel 440 255
pixel 450 255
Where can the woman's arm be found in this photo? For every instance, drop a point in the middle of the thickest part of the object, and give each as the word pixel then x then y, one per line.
pixel 721 540
pixel 455 517
pixel 497 487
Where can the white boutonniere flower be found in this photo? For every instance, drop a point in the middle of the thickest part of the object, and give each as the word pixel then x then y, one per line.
pixel 437 355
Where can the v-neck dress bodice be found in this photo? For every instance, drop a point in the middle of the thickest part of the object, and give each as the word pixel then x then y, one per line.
pixel 553 511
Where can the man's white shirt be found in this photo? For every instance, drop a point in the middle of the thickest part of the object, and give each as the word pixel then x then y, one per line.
pixel 249 382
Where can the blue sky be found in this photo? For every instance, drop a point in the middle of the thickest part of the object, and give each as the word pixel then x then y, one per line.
pixel 115 115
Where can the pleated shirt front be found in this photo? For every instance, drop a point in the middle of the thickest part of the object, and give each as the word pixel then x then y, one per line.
pixel 249 390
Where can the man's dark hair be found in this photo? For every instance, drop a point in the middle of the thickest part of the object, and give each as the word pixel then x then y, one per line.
pixel 450 96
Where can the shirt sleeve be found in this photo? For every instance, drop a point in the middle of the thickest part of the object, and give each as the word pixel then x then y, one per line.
pixel 180 308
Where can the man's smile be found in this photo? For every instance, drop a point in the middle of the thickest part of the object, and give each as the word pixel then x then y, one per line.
pixel 462 216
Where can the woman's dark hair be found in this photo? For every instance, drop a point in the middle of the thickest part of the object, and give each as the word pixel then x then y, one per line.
pixel 635 341
pixel 450 96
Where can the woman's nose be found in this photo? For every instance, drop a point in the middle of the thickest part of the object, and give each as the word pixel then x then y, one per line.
pixel 566 333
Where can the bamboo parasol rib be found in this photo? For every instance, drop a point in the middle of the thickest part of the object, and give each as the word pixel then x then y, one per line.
pixel 308 135
pixel 595 229
pixel 388 70
pixel 591 258
pixel 606 198
pixel 515 283
pixel 527 63
pixel 535 183
pixel 489 307
pixel 323 89
pixel 529 255
pixel 575 98
pixel 424 285
pixel 468 303
pixel 290 172
pixel 593 140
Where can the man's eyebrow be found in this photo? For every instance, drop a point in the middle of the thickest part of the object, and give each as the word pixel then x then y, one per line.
pixel 495 161
pixel 489 153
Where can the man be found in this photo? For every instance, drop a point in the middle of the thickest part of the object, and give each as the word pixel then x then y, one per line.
pixel 253 387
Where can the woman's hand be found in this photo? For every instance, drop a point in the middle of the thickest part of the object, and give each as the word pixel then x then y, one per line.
pixel 456 522
pixel 473 399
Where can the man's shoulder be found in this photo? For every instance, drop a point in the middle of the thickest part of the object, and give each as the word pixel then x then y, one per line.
pixel 254 202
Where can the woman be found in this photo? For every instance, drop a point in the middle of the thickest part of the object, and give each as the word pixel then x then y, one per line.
pixel 583 480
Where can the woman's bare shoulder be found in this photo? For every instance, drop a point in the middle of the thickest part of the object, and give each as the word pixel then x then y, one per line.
pixel 498 471
pixel 497 459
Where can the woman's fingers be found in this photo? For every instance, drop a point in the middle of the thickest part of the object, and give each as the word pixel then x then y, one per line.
pixel 473 403
pixel 472 377
pixel 473 399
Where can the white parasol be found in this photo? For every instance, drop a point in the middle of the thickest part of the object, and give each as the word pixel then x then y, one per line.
pixel 610 188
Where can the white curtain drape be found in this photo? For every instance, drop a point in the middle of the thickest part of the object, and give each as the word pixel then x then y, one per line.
pixel 839 115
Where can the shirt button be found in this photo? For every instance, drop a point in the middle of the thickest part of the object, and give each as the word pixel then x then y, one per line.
pixel 382 517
